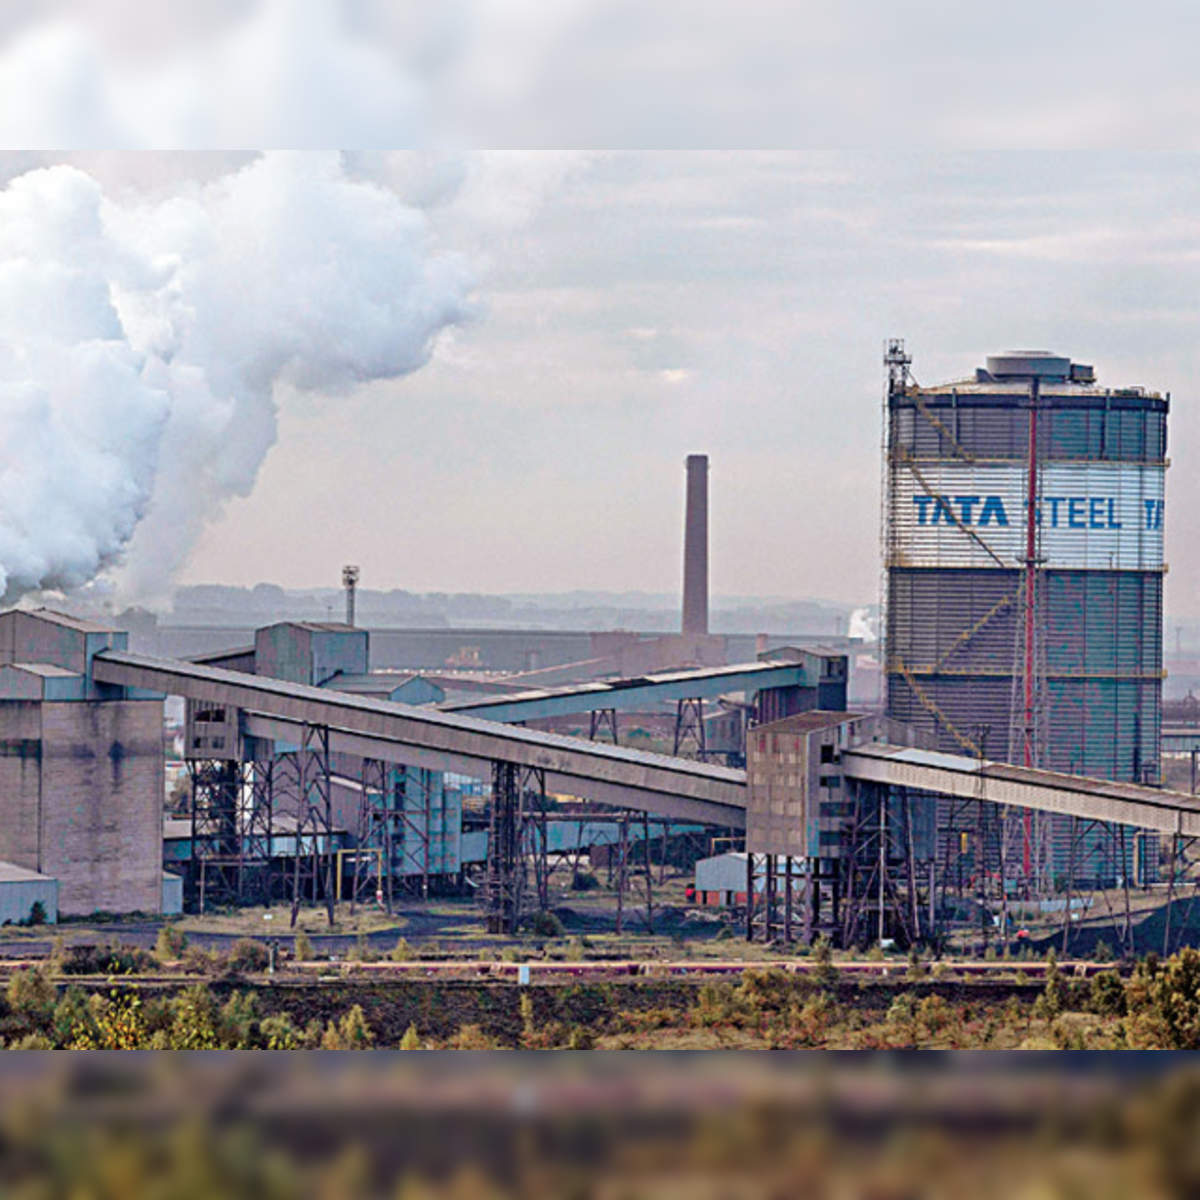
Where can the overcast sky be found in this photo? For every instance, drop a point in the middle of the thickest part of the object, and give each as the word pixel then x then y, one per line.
pixel 633 305
pixel 650 305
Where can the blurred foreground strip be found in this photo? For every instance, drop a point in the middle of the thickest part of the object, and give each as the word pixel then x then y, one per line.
pixel 696 1125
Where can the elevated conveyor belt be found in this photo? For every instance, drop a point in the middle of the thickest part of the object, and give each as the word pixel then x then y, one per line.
pixel 423 737
pixel 672 787
pixel 641 692
pixel 1129 804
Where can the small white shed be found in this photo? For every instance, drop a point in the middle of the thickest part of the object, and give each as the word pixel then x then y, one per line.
pixel 21 889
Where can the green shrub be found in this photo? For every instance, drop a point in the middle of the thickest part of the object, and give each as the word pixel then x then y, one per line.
pixel 901 1011
pixel 825 973
pixel 546 924
pixel 279 1033
pixel 106 960
pixel 584 881
pixel 714 1004
pixel 1108 994
pixel 32 998
pixel 1102 953
pixel 199 961
pixel 580 1038
pixel 1053 999
pixel 193 1020
pixel 237 1025
pixel 248 955
pixel 764 989
pixel 170 944
pixel 350 1033
pixel 302 949
pixel 471 1037
pixel 71 1015
pixel 37 914
pixel 934 1013
pixel 1175 998
pixel 411 1039
pixel 916 969
pixel 401 951
pixel 361 950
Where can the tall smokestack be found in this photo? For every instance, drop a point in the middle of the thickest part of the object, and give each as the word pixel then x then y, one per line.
pixel 695 547
pixel 350 583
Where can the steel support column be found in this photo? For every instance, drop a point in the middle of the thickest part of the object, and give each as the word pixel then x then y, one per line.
pixel 689 729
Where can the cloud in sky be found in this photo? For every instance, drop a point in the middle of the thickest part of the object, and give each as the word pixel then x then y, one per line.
pixel 614 74
pixel 654 305
pixel 640 303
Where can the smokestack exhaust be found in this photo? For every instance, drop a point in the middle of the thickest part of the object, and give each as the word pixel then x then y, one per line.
pixel 350 583
pixel 695 547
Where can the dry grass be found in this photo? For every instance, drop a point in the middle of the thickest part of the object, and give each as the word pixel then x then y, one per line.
pixel 276 922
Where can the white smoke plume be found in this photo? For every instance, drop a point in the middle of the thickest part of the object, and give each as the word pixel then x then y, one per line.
pixel 862 625
pixel 141 346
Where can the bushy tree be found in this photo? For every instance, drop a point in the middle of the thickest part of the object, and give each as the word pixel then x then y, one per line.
pixel 350 1033
pixel 31 999
pixel 1108 994
pixel 1175 998
pixel 237 1025
pixel 279 1033
pixel 170 944
pixel 114 1022
pixel 193 1020
pixel 1053 999
pixel 248 955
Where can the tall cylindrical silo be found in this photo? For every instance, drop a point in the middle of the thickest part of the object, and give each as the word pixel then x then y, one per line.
pixel 1024 564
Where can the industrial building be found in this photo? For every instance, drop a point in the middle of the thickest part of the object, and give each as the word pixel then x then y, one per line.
pixel 1023 553
pixel 81 767
pixel 1024 566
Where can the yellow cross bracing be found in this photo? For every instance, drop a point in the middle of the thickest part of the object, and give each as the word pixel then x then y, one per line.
pixel 941 427
pixel 932 708
pixel 968 634
pixel 906 459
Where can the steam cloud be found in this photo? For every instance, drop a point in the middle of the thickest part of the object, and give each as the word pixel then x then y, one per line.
pixel 143 344
pixel 861 625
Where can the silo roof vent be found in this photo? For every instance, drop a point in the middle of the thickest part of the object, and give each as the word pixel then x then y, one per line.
pixel 1028 364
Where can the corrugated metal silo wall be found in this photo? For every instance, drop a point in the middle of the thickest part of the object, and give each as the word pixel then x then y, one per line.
pixel 953 610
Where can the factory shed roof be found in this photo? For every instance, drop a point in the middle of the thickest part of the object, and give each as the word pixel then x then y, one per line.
pixel 373 683
pixel 46 670
pixel 809 722
pixel 66 620
pixel 11 873
pixel 320 626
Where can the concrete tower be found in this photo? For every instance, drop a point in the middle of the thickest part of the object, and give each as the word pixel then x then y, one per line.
pixel 695 547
